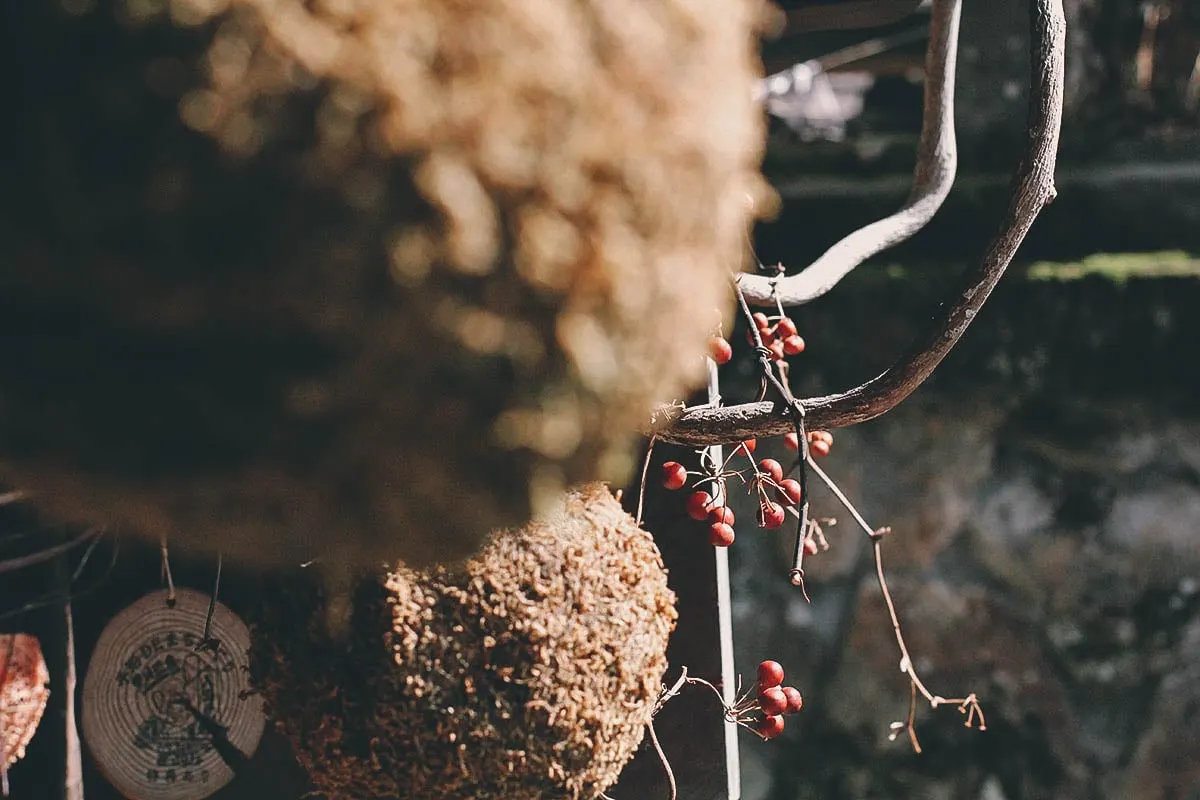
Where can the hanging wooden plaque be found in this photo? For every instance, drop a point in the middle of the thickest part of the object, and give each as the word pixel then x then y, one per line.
pixel 168 715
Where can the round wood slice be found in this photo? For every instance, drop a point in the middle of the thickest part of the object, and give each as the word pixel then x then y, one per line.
pixel 24 691
pixel 166 716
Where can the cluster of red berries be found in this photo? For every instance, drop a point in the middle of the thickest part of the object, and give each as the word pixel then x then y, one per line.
pixel 775 700
pixel 775 493
pixel 778 335
pixel 701 506
pixel 819 442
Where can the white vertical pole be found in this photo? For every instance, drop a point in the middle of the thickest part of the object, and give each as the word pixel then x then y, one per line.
pixel 725 615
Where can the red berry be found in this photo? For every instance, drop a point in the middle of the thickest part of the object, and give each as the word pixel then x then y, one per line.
pixel 785 328
pixel 791 441
pixel 789 491
pixel 795 701
pixel 698 504
pixel 720 349
pixel 760 321
pixel 824 436
pixel 793 345
pixel 772 468
pixel 721 514
pixel 749 445
pixel 720 534
pixel 770 515
pixel 772 701
pixel 770 673
pixel 819 448
pixel 777 349
pixel 770 727
pixel 673 476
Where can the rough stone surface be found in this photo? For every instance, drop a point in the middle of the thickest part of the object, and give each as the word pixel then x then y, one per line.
pixel 1044 492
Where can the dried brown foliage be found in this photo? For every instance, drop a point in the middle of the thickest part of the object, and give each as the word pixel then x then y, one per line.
pixel 529 673
pixel 360 279
pixel 24 693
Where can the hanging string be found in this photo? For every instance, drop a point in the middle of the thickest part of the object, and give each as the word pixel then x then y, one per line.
pixel 207 641
pixel 165 572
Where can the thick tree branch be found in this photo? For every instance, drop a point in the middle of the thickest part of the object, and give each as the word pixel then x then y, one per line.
pixel 1033 188
pixel 937 161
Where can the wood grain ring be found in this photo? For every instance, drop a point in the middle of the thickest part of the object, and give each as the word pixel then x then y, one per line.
pixel 163 715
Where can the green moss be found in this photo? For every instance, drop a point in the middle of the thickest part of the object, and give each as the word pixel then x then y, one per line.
pixel 1119 267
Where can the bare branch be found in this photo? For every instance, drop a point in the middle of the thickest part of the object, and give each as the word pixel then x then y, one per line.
pixel 73 789
pixel 937 162
pixel 42 556
pixel 966 705
pixel 1033 188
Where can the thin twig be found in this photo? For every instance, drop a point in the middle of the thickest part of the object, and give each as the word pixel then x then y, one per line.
pixel 767 367
pixel 87 555
pixel 74 783
pixel 876 537
pixel 645 473
pixel 42 556
pixel 967 705
pixel 166 571
pixel 906 663
pixel 872 47
pixel 840 495
pixel 667 694
pixel 663 757
pixel 1033 188
pixel 207 639
pixel 52 597
pixel 912 717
